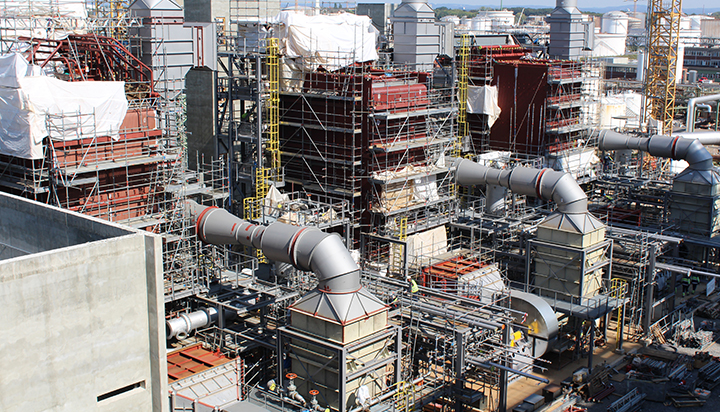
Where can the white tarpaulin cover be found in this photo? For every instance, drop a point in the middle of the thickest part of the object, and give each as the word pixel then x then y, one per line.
pixel 484 100
pixel 422 248
pixel 33 110
pixel 13 66
pixel 332 41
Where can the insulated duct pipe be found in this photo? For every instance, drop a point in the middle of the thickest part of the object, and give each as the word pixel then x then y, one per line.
pixel 706 138
pixel 339 296
pixel 692 103
pixel 673 147
pixel 184 324
pixel 540 183
pixel 305 248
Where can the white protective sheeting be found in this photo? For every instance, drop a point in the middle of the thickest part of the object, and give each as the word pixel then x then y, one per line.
pixel 332 41
pixel 484 100
pixel 579 162
pixel 423 247
pixel 43 106
pixel 483 283
pixel 13 66
pixel 426 188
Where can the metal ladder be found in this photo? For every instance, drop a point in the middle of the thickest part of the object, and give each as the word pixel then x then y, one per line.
pixel 396 249
pixel 627 402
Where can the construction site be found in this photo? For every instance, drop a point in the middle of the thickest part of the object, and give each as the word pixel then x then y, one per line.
pixel 239 205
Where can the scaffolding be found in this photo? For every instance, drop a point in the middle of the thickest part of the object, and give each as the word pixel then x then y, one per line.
pixel 46 19
pixel 390 125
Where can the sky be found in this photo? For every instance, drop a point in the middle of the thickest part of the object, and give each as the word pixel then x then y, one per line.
pixel 710 5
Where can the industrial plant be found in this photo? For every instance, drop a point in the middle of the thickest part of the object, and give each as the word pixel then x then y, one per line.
pixel 253 206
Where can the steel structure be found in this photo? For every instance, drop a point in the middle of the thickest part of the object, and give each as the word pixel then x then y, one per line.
pixel 663 32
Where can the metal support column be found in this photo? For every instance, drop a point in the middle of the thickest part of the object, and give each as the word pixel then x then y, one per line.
pixel 591 346
pixel 459 369
pixel 503 384
pixel 649 291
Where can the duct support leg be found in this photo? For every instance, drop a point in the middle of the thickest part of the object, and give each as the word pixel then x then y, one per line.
pixel 502 406
pixel 591 346
pixel 649 292
pixel 459 369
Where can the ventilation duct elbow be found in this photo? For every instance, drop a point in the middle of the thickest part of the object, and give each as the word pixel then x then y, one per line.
pixel 546 184
pixel 306 248
pixel 671 147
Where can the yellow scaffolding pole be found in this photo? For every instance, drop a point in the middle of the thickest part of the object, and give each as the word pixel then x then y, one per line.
pixel 618 288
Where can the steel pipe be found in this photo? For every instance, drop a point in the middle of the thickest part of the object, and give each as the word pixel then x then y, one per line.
pixel 692 103
pixel 186 323
pixel 489 365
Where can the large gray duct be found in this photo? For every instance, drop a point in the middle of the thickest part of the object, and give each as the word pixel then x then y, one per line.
pixel 339 296
pixel 671 147
pixel 696 189
pixel 547 184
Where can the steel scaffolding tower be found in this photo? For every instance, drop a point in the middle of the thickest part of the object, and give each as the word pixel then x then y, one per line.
pixel 663 33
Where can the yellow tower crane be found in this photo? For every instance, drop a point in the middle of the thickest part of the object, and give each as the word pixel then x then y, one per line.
pixel 663 32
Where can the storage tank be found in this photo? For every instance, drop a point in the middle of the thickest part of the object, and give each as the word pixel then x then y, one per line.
pixel 615 22
pixel 453 19
pixel 501 19
pixel 481 23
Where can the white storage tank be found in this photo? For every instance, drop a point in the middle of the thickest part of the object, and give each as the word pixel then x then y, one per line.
pixel 615 22
pixel 501 19
pixel 453 19
pixel 481 23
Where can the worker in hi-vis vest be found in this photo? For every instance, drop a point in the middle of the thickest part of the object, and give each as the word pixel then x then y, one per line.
pixel 695 281
pixel 685 283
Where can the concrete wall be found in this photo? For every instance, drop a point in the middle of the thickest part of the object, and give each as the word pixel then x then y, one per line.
pixel 82 312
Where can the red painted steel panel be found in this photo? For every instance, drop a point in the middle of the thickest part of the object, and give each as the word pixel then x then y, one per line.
pixel 522 91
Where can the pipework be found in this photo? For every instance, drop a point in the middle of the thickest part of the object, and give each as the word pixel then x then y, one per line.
pixel 541 183
pixel 339 296
pixel 306 248
pixel 672 147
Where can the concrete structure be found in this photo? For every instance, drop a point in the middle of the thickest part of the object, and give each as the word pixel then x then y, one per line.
pixel 82 310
